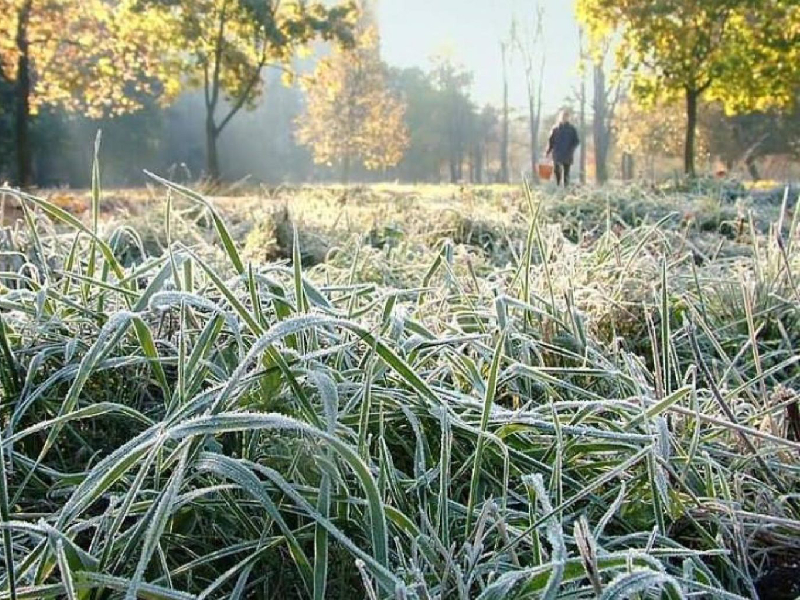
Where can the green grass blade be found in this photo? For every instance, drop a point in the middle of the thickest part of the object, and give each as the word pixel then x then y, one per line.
pixel 488 403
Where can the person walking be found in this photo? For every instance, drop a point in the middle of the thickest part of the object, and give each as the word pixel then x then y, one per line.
pixel 562 144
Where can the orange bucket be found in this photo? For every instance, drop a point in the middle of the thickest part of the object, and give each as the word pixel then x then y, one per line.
pixel 545 171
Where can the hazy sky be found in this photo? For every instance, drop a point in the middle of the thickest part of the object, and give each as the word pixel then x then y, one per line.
pixel 413 30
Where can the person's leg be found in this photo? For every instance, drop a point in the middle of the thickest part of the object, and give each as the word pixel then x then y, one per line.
pixel 557 169
pixel 566 174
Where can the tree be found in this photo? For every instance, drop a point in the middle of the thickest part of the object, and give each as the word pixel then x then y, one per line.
pixel 445 128
pixel 483 134
pixel 224 46
pixel 743 139
pixel 351 114
pixel 91 57
pixel 582 117
pixel 605 98
pixel 733 139
pixel 504 139
pixel 711 49
pixel 6 131
pixel 654 132
pixel 425 118
pixel 529 44
pixel 453 82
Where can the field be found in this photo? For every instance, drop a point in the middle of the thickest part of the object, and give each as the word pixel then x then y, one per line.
pixel 400 392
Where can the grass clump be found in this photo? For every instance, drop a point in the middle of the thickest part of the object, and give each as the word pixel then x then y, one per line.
pixel 562 417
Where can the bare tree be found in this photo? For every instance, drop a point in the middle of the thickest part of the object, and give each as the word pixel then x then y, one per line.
pixel 504 140
pixel 606 98
pixel 582 99
pixel 529 43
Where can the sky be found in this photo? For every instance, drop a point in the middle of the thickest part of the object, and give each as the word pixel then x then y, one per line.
pixel 413 30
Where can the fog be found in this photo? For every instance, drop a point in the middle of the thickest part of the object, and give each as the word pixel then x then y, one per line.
pixel 471 30
pixel 489 122
pixel 259 144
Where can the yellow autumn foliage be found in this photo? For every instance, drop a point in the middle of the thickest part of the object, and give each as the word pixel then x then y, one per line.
pixel 95 57
pixel 351 114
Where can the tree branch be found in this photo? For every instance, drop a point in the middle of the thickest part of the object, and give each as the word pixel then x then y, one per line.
pixel 206 91
pixel 218 56
pixel 242 99
pixel 750 152
pixel 612 106
pixel 704 86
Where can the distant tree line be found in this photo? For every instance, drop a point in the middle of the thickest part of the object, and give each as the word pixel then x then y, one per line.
pixel 225 89
pixel 193 88
pixel 348 115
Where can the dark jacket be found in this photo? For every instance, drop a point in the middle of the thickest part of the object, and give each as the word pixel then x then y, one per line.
pixel 563 141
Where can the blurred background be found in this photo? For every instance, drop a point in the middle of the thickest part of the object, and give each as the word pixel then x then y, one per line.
pixel 379 90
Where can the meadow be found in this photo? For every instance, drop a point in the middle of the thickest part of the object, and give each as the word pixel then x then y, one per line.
pixel 403 392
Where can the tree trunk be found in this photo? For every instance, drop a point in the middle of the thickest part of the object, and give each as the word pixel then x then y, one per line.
pixel 346 169
pixel 752 168
pixel 212 155
pixel 504 141
pixel 23 94
pixel 539 100
pixel 627 166
pixel 582 154
pixel 692 96
pixel 534 133
pixel 600 128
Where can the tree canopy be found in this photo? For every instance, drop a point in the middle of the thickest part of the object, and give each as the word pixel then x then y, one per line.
pixel 351 113
pixel 453 81
pixel 223 47
pixel 91 57
pixel 743 53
